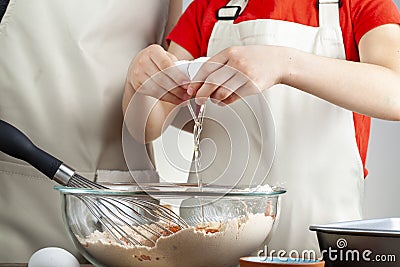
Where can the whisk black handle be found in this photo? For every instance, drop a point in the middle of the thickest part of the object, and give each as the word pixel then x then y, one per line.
pixel 16 144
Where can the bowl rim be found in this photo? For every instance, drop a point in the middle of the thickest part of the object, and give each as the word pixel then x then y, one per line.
pixel 164 189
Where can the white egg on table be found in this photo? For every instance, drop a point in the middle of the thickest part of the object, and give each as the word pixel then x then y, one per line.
pixel 53 257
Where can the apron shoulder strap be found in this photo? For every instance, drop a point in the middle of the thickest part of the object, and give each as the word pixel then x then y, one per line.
pixel 329 13
pixel 232 10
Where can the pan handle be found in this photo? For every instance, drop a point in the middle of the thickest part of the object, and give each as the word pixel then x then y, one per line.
pixel 16 144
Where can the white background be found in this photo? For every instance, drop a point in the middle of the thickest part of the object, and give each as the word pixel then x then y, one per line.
pixel 382 187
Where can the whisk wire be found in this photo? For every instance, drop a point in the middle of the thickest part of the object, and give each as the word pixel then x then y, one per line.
pixel 153 217
pixel 105 220
pixel 119 219
pixel 141 223
pixel 81 182
pixel 158 211
pixel 145 220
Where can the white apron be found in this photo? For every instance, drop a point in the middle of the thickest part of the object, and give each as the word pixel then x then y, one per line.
pixel 62 71
pixel 316 157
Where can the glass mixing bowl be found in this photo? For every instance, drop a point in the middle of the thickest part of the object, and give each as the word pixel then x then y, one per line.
pixel 222 224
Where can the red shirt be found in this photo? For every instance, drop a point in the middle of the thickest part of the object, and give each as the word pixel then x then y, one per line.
pixel 357 17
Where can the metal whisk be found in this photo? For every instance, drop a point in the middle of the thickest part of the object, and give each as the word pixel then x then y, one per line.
pixel 127 219
pixel 132 221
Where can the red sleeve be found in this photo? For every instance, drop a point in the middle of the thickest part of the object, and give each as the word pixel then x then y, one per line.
pixel 369 14
pixel 187 32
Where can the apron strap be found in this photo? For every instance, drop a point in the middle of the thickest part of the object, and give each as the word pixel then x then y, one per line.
pixel 232 10
pixel 329 13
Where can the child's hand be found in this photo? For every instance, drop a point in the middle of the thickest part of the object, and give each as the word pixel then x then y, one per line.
pixel 238 72
pixel 152 72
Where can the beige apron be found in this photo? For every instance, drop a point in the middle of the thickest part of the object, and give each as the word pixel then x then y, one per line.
pixel 62 71
pixel 316 157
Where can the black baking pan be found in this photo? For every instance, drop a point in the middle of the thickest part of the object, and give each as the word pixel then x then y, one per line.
pixel 360 243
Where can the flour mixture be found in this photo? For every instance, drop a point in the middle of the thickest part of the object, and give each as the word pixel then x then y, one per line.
pixel 213 244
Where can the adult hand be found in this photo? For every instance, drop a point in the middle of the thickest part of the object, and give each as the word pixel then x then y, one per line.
pixel 152 72
pixel 239 71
